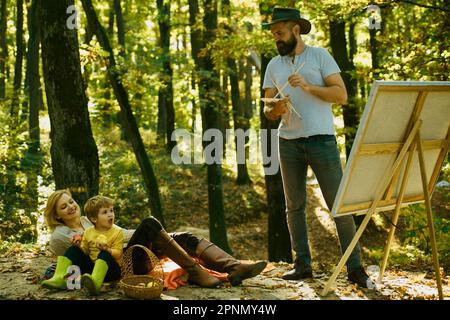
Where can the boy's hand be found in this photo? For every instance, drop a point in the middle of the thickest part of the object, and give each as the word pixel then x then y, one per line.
pixel 103 246
pixel 101 243
pixel 76 240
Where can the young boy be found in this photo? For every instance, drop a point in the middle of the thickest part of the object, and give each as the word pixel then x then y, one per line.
pixel 103 243
pixel 98 251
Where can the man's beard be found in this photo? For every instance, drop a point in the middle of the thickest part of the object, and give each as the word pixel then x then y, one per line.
pixel 285 48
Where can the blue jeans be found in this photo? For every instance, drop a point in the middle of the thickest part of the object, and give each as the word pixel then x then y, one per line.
pixel 322 154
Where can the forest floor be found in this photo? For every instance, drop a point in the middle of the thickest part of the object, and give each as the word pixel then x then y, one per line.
pixel 22 267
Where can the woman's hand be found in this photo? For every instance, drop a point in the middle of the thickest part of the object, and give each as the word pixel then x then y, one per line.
pixel 76 240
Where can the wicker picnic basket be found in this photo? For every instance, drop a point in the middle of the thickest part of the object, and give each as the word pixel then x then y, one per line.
pixel 132 285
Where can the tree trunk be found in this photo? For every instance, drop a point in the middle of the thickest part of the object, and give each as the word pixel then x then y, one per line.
pixel 120 26
pixel 74 152
pixel 279 245
pixel 224 116
pixel 248 100
pixel 110 29
pixel 196 35
pixel 166 124
pixel 20 45
pixel 209 86
pixel 127 115
pixel 374 53
pixel 88 67
pixel 240 121
pixel 338 44
pixel 32 89
pixel 193 102
pixel 352 41
pixel 350 111
pixel 3 49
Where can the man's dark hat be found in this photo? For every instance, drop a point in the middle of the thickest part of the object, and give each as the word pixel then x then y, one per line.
pixel 289 14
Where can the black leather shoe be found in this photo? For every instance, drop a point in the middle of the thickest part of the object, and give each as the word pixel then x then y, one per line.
pixel 360 277
pixel 300 271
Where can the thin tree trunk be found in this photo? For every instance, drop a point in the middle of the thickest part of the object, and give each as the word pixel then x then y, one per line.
pixel 374 53
pixel 162 119
pixel 3 49
pixel 352 41
pixel 20 45
pixel 120 26
pixel 224 115
pixel 195 36
pixel 248 100
pixel 111 15
pixel 196 45
pixel 374 43
pixel 32 89
pixel 351 112
pixel 88 67
pixel 73 151
pixel 209 84
pixel 241 122
pixel 128 118
pixel 118 13
pixel 279 243
pixel 166 125
pixel 338 43
pixel 193 102
pixel 107 118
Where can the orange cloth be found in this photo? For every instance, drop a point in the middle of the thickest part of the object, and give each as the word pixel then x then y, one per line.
pixel 175 276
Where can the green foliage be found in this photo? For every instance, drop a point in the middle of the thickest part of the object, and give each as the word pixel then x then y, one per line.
pixel 416 232
pixel 18 215
pixel 407 255
pixel 413 45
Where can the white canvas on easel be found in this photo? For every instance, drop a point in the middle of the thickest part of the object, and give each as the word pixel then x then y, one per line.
pixel 397 155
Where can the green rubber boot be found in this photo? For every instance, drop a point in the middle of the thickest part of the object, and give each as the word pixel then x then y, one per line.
pixel 94 282
pixel 58 281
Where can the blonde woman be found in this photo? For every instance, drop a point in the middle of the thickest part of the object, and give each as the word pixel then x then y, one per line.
pixel 64 219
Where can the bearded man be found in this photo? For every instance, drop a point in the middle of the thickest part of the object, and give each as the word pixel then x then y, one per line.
pixel 306 134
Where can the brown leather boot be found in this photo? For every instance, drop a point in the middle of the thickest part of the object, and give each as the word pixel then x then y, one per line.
pixel 166 245
pixel 216 259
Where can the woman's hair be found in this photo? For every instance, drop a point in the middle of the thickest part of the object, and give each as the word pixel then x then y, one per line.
pixel 94 204
pixel 50 209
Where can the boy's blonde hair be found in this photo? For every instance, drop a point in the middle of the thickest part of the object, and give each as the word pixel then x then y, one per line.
pixel 94 204
pixel 50 209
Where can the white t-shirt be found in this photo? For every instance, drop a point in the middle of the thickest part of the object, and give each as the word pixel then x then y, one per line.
pixel 317 115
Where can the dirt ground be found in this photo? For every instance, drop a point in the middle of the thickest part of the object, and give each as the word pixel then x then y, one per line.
pixel 21 271
pixel 20 277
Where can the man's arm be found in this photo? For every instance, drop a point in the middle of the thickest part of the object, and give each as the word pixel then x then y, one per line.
pixel 334 91
pixel 273 111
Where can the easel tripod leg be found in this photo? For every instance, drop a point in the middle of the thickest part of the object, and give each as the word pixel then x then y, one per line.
pixel 396 212
pixel 429 216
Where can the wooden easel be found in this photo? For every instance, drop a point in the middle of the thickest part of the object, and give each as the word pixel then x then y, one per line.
pixel 412 142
